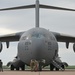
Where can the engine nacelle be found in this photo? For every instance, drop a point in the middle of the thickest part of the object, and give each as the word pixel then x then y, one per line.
pixel 16 63
pixel 1 47
pixel 74 47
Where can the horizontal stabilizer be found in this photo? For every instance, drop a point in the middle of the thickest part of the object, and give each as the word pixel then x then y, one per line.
pixel 56 8
pixel 40 6
pixel 18 7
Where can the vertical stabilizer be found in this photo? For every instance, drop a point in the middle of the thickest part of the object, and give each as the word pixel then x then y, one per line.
pixel 37 13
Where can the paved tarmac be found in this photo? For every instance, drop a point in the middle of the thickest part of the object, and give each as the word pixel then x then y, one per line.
pixel 67 72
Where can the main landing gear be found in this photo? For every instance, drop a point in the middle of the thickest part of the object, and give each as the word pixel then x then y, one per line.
pixel 12 67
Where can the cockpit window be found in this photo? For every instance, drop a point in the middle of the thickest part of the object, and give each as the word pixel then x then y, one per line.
pixel 38 35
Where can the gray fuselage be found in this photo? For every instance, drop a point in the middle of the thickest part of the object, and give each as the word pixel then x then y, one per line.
pixel 37 43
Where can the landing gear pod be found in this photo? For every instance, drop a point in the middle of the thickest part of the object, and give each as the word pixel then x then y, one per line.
pixel 1 47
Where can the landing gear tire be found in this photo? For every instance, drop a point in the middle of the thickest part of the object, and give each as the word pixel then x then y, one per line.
pixel 23 67
pixel 63 67
pixel 51 67
pixel 57 69
pixel 17 68
pixel 12 67
pixel 40 66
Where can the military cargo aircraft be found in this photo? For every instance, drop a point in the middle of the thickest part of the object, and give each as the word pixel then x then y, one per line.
pixel 37 43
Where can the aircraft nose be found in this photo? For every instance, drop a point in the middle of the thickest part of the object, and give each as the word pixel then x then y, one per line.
pixel 37 47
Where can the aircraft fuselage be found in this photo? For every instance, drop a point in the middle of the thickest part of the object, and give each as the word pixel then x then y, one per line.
pixel 37 43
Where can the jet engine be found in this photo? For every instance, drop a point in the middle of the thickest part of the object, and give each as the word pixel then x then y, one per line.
pixel 74 47
pixel 1 47
pixel 16 64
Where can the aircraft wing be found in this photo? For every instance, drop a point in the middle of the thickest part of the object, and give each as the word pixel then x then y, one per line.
pixel 11 37
pixel 64 38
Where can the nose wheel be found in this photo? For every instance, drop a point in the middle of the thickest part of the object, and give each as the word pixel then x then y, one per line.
pixel 40 66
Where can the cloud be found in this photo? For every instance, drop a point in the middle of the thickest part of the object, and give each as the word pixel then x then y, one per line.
pixel 8 54
pixel 67 55
pixel 6 31
pixel 10 3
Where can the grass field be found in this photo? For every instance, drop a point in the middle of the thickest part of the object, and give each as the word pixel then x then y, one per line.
pixel 70 67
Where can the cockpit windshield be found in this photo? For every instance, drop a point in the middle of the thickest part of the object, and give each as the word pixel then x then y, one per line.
pixel 38 35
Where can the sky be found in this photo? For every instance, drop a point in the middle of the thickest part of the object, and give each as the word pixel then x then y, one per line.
pixel 23 20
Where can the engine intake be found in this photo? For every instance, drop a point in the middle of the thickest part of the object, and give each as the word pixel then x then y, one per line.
pixel 74 47
pixel 1 47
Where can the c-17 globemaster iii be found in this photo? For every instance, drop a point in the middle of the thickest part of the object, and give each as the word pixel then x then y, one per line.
pixel 37 43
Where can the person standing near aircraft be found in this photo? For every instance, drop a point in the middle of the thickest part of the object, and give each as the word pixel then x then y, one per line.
pixel 34 65
pixel 1 68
